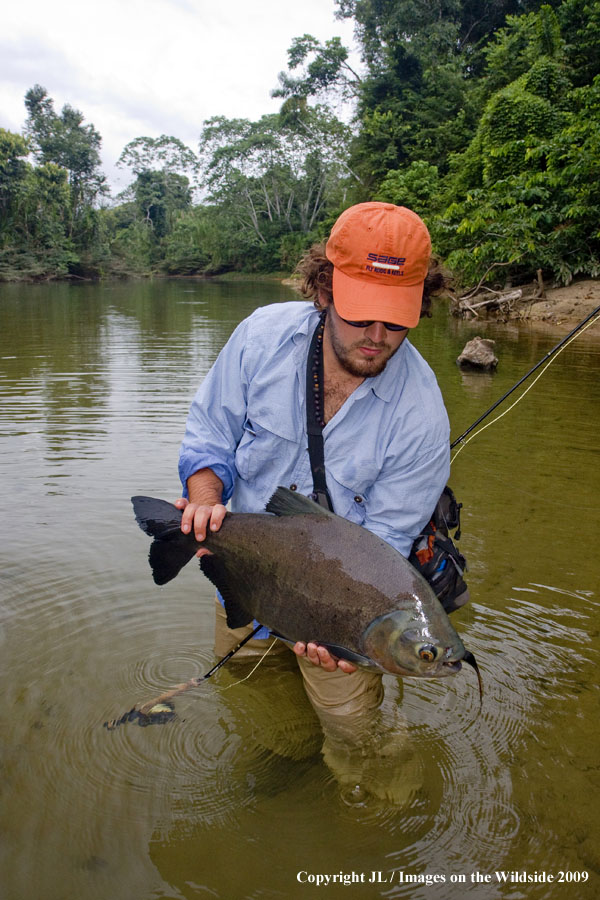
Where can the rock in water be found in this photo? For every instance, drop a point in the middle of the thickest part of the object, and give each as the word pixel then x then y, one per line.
pixel 478 354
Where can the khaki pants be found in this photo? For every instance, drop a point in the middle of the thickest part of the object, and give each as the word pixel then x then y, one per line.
pixel 366 755
pixel 330 693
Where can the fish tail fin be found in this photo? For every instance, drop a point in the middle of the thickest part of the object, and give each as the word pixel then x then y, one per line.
pixel 168 557
pixel 156 517
pixel 171 549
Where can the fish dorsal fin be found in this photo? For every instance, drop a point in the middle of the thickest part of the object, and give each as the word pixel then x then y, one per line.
pixel 289 503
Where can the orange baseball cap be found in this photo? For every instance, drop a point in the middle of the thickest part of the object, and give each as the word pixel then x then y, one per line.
pixel 380 255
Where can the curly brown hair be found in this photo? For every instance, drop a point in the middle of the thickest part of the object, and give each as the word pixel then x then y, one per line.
pixel 317 278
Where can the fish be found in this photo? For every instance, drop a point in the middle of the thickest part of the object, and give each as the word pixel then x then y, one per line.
pixel 310 575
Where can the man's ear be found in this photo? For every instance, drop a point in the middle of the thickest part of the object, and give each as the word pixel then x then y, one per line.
pixel 324 299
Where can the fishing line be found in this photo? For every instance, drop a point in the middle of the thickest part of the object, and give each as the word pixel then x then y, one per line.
pixel 241 681
pixel 555 354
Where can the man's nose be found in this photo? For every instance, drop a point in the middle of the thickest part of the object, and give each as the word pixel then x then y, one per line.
pixel 376 332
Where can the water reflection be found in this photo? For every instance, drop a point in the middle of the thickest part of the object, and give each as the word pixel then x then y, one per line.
pixel 234 797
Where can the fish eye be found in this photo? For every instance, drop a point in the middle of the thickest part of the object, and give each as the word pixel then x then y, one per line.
pixel 427 652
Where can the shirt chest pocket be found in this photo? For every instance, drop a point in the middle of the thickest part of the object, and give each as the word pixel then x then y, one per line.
pixel 350 478
pixel 268 442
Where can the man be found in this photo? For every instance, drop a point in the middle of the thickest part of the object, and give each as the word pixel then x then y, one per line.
pixel 385 429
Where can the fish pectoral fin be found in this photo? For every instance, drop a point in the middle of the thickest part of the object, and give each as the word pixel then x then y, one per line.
pixel 230 589
pixel 289 503
pixel 281 637
pixel 335 649
pixel 349 655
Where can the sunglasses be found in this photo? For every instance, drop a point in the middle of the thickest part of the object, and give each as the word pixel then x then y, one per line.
pixel 389 326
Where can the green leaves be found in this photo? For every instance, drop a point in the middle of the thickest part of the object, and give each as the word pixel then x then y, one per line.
pixel 165 153
pixel 544 215
pixel 417 187
pixel 326 69
pixel 66 141
pixel 525 192
pixel 273 177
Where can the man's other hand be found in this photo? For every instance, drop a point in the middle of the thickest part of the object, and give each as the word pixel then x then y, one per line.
pixel 320 656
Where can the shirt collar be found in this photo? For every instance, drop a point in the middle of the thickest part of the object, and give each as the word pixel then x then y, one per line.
pixel 307 325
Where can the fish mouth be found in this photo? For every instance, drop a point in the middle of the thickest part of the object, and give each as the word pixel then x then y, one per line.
pixel 454 665
pixel 451 666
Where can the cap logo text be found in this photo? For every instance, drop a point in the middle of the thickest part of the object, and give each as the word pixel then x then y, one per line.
pixel 377 262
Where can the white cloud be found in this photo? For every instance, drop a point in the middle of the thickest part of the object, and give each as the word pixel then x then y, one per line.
pixel 136 67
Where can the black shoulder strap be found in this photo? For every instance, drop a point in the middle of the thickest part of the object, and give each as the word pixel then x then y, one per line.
pixel 315 405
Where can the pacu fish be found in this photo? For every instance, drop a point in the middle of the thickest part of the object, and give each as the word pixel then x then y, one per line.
pixel 310 575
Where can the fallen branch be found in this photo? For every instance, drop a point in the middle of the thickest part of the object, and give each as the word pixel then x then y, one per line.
pixel 472 293
pixel 497 299
pixel 465 305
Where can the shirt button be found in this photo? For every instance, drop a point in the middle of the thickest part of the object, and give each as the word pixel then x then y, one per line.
pixel 358 499
pixel 293 487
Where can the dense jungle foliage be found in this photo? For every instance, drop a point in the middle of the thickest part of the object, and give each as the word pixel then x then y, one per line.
pixel 482 115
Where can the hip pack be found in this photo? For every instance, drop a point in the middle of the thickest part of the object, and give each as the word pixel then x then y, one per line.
pixel 436 557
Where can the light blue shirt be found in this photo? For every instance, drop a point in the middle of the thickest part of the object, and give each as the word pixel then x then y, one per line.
pixel 387 449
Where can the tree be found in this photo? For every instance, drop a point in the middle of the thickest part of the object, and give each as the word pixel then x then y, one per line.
pixel 417 187
pixel 13 172
pixel 326 69
pixel 159 196
pixel 273 176
pixel 165 153
pixel 525 193
pixel 580 25
pixel 415 99
pixel 65 141
pixel 156 198
pixel 427 24
pixel 34 205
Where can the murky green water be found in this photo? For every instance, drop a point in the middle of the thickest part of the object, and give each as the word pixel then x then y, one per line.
pixel 233 799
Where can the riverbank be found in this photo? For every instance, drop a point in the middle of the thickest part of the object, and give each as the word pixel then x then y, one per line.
pixel 560 306
pixel 566 305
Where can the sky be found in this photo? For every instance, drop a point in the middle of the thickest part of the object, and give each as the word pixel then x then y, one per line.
pixel 152 67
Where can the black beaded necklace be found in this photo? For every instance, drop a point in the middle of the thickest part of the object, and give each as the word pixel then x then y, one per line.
pixel 315 412
pixel 317 371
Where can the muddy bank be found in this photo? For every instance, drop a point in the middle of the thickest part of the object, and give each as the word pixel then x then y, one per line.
pixel 532 304
pixel 566 305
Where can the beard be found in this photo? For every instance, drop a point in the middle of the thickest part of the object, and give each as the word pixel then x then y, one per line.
pixel 350 361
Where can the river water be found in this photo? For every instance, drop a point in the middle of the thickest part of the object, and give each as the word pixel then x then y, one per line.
pixel 233 798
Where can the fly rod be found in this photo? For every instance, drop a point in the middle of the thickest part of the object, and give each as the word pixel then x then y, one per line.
pixel 548 355
pixel 160 709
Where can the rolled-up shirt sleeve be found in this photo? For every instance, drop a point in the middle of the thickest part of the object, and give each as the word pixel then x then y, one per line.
pixel 216 419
